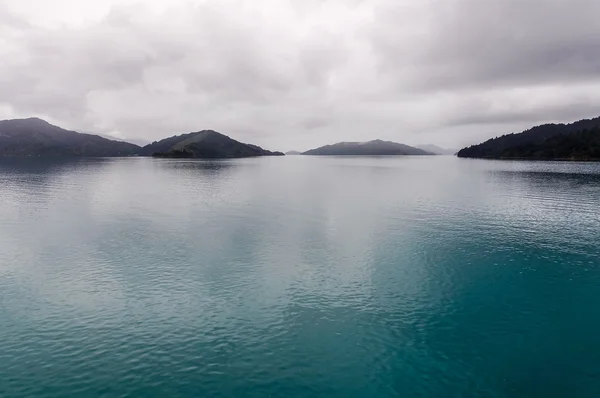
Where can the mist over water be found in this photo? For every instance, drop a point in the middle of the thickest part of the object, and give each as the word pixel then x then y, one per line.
pixel 299 277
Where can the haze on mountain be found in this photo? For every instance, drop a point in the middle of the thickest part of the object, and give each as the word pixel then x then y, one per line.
pixel 206 144
pixel 301 74
pixel 436 150
pixel 575 141
pixel 36 137
pixel 138 142
pixel 293 153
pixel 369 148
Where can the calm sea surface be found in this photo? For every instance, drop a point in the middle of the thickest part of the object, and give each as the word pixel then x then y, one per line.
pixel 299 277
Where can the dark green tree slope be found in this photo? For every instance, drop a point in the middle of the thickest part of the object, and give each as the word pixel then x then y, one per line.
pixel 575 141
pixel 205 144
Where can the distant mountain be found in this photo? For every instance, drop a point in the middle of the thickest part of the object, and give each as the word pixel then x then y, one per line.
pixel 204 144
pixel 576 141
pixel 36 137
pixel 370 148
pixel 140 143
pixel 436 150
pixel 293 153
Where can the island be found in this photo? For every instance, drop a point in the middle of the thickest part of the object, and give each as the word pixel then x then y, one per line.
pixel 575 141
pixel 369 148
pixel 205 144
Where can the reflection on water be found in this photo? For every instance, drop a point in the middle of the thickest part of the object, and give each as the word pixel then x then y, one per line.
pixel 299 276
pixel 197 166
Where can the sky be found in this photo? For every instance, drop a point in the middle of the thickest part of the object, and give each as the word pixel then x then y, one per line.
pixel 297 74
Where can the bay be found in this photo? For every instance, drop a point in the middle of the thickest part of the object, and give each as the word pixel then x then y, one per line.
pixel 299 277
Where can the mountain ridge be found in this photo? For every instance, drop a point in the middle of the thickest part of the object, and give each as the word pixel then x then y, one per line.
pixel 36 137
pixel 579 140
pixel 368 148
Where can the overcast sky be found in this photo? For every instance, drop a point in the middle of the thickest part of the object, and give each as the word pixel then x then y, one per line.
pixel 298 74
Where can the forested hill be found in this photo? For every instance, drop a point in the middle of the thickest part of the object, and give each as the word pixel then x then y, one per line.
pixel 164 145
pixel 36 137
pixel 204 144
pixel 575 141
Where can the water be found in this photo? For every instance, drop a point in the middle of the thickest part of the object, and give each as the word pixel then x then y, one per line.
pixel 299 277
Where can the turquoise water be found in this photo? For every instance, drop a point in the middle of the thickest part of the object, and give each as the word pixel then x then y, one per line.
pixel 299 277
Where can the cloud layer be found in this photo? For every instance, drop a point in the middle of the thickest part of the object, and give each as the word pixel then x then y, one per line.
pixel 295 75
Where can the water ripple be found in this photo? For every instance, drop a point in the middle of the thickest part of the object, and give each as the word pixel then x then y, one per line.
pixel 299 277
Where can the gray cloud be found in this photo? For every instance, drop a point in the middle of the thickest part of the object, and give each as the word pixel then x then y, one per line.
pixel 468 43
pixel 482 115
pixel 294 75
